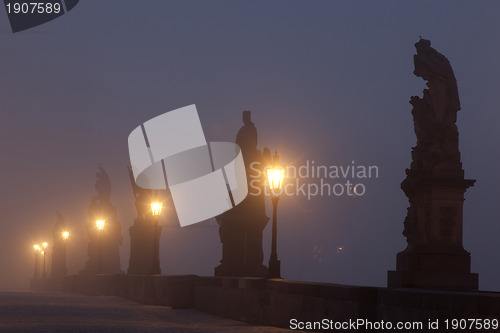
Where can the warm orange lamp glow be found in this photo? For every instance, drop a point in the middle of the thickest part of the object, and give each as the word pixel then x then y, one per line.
pixel 99 225
pixel 156 207
pixel 275 175
pixel 65 235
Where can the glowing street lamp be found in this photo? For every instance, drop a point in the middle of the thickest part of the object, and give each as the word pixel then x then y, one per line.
pixel 275 176
pixel 99 224
pixel 156 207
pixel 59 266
pixel 44 252
pixel 37 250
pixel 59 254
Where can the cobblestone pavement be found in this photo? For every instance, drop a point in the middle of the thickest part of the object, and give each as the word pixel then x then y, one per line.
pixel 53 312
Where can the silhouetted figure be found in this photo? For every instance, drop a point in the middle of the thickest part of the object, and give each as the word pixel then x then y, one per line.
pixel 58 267
pixel 144 234
pixel 246 138
pixel 434 185
pixel 104 242
pixel 143 198
pixel 435 114
pixel 241 227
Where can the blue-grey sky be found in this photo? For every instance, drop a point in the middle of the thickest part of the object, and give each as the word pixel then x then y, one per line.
pixel 327 81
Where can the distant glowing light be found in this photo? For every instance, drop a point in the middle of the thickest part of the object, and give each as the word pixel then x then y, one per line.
pixel 65 235
pixel 36 247
pixel 99 225
pixel 45 244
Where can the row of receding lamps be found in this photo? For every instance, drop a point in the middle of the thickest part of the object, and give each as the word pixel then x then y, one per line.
pixel 43 251
pixel 156 207
pixel 275 175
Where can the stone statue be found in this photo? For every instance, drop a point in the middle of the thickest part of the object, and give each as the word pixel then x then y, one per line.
pixel 58 266
pixel 435 185
pixel 241 227
pixel 60 224
pixel 102 186
pixel 143 198
pixel 144 234
pixel 435 114
pixel 103 248
pixel 246 138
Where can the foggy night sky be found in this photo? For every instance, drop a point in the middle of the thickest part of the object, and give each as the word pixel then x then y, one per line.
pixel 327 81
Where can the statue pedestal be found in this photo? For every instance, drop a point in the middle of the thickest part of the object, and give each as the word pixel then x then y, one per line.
pixel 103 249
pixel 58 266
pixel 435 257
pixel 433 270
pixel 242 253
pixel 144 248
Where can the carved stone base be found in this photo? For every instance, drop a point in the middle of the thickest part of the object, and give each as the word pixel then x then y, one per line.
pixel 144 248
pixel 433 270
pixel 58 267
pixel 241 237
pixel 435 257
pixel 103 250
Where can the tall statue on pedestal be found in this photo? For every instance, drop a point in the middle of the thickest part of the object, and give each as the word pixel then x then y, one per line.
pixel 103 230
pixel 435 185
pixel 144 234
pixel 241 227
pixel 58 266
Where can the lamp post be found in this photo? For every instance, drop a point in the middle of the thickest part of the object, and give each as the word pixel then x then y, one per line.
pixel 275 175
pixel 156 207
pixel 64 236
pixel 99 224
pixel 44 252
pixel 37 250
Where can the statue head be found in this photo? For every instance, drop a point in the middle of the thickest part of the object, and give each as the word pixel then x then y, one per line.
pixel 247 117
pixel 103 185
pixel 423 45
pixel 59 219
pixel 59 227
pixel 420 60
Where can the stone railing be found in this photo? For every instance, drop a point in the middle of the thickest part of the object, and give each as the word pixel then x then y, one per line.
pixel 276 302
